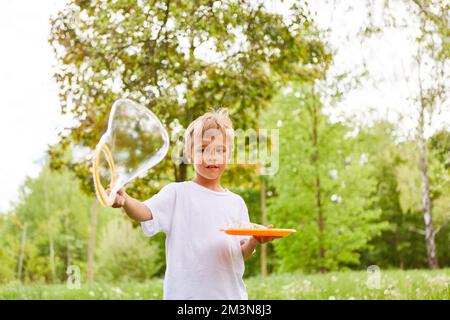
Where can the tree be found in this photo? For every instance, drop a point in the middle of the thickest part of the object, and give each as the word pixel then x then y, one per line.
pixel 433 57
pixel 126 254
pixel 410 176
pixel 178 58
pixel 427 77
pixel 324 187
pixel 399 245
pixel 439 171
pixel 53 214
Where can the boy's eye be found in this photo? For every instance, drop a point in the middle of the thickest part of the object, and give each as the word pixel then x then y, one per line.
pixel 203 149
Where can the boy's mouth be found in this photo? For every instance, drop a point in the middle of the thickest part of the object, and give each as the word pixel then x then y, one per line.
pixel 212 166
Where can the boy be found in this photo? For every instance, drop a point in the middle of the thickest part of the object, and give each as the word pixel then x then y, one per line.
pixel 202 262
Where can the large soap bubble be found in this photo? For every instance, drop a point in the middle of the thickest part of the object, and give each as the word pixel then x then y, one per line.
pixel 134 142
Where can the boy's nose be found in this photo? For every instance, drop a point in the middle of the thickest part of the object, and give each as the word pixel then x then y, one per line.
pixel 212 158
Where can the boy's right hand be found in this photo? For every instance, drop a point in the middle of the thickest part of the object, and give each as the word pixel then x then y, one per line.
pixel 135 209
pixel 121 197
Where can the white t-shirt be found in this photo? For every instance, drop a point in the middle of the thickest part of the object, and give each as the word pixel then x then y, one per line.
pixel 202 261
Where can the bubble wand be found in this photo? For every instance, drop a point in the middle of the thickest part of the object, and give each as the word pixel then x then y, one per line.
pixel 134 142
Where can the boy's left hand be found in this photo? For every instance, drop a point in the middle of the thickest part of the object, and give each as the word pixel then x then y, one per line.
pixel 264 239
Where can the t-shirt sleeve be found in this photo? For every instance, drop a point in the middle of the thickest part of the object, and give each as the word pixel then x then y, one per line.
pixel 162 206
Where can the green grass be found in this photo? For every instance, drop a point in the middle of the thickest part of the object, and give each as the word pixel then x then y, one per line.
pixel 413 284
pixel 395 284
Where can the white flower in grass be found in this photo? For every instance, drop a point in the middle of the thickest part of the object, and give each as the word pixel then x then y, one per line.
pixel 351 298
pixel 439 280
pixel 91 293
pixel 117 290
pixel 391 292
pixel 306 286
pixel 331 298
pixel 334 278
pixel 288 286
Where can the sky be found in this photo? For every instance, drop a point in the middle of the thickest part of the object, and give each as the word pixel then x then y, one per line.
pixel 30 114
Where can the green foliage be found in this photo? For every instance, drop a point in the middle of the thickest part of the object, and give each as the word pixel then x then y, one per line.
pixel 397 246
pixel 7 257
pixel 7 267
pixel 126 254
pixel 155 53
pixel 55 212
pixel 323 171
pixel 440 145
pixel 410 184
pixel 398 196
pixel 52 215
pixel 56 215
pixel 439 171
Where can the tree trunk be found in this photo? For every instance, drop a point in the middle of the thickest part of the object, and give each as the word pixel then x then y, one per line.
pixel 66 227
pixel 397 242
pixel 181 173
pixel 426 202
pixel 22 250
pixel 321 221
pixel 318 194
pixel 264 222
pixel 52 258
pixel 91 243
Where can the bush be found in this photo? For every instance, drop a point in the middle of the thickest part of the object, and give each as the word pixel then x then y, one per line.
pixel 124 253
pixel 7 266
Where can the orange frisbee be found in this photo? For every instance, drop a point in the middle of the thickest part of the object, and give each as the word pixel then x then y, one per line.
pixel 261 232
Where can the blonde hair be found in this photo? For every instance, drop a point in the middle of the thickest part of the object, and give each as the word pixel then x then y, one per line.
pixel 214 119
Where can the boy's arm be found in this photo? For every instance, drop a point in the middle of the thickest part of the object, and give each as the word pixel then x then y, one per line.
pixel 135 209
pixel 248 247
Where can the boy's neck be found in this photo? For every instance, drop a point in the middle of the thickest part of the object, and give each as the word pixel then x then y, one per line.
pixel 213 184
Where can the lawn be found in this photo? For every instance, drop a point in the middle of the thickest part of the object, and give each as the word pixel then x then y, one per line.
pixel 395 284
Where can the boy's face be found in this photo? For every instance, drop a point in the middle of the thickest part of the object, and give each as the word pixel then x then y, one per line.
pixel 210 157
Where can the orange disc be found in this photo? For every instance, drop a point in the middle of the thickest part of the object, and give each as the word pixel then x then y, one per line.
pixel 262 232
